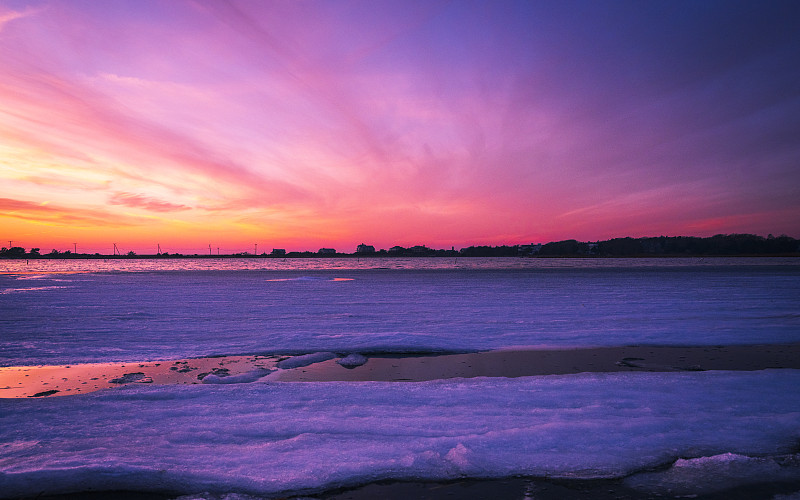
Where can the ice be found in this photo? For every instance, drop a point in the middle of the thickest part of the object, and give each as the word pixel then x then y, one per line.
pixel 274 438
pixel 180 314
pixel 305 360
pixel 352 360
pixel 242 378
pixel 706 475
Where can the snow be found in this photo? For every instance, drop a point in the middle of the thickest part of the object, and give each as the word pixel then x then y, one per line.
pixel 273 438
pixel 232 438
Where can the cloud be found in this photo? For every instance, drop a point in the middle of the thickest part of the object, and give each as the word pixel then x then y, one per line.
pixel 64 216
pixel 6 16
pixel 145 202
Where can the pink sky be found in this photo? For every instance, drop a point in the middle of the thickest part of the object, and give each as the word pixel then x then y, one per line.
pixel 300 125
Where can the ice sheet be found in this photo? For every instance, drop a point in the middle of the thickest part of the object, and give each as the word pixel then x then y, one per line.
pixel 173 315
pixel 268 438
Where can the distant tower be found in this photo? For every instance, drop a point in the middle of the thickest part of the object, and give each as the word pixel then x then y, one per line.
pixel 116 250
pixel 255 252
pixel 159 248
pixel 74 248
pixel 209 249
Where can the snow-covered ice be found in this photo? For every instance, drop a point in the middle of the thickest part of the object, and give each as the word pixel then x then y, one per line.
pixel 268 438
pixel 139 316
pixel 264 438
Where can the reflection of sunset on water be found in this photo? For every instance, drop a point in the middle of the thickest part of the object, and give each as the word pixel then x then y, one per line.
pixel 65 380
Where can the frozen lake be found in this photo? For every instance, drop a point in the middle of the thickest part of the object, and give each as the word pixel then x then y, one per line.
pixel 703 431
pixel 140 312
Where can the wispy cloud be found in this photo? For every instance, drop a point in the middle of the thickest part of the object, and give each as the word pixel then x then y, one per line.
pixel 54 214
pixel 7 15
pixel 145 202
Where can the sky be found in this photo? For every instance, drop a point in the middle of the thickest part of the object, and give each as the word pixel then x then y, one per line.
pixel 297 124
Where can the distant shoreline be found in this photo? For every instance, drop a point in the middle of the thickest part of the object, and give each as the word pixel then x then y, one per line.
pixel 305 255
pixel 721 245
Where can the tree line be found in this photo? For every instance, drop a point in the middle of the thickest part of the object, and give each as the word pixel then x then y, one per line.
pixel 721 244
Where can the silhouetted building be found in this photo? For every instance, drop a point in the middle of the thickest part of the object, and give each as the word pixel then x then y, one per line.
pixel 529 249
pixel 327 250
pixel 362 248
pixel 278 252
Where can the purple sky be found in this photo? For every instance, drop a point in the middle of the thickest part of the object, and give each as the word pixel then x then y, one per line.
pixel 306 124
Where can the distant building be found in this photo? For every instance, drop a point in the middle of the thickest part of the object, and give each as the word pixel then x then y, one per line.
pixel 278 252
pixel 362 248
pixel 327 250
pixel 419 249
pixel 397 249
pixel 531 249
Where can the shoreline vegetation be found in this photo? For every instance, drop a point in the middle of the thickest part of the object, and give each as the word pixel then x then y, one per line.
pixel 721 245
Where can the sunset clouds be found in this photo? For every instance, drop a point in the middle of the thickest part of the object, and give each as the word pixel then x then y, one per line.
pixel 309 124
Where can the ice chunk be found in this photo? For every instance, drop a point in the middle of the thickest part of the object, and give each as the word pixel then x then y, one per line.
pixel 352 360
pixel 305 360
pixel 242 378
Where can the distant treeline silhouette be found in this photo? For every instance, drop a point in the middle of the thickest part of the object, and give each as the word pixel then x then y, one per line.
pixel 721 244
